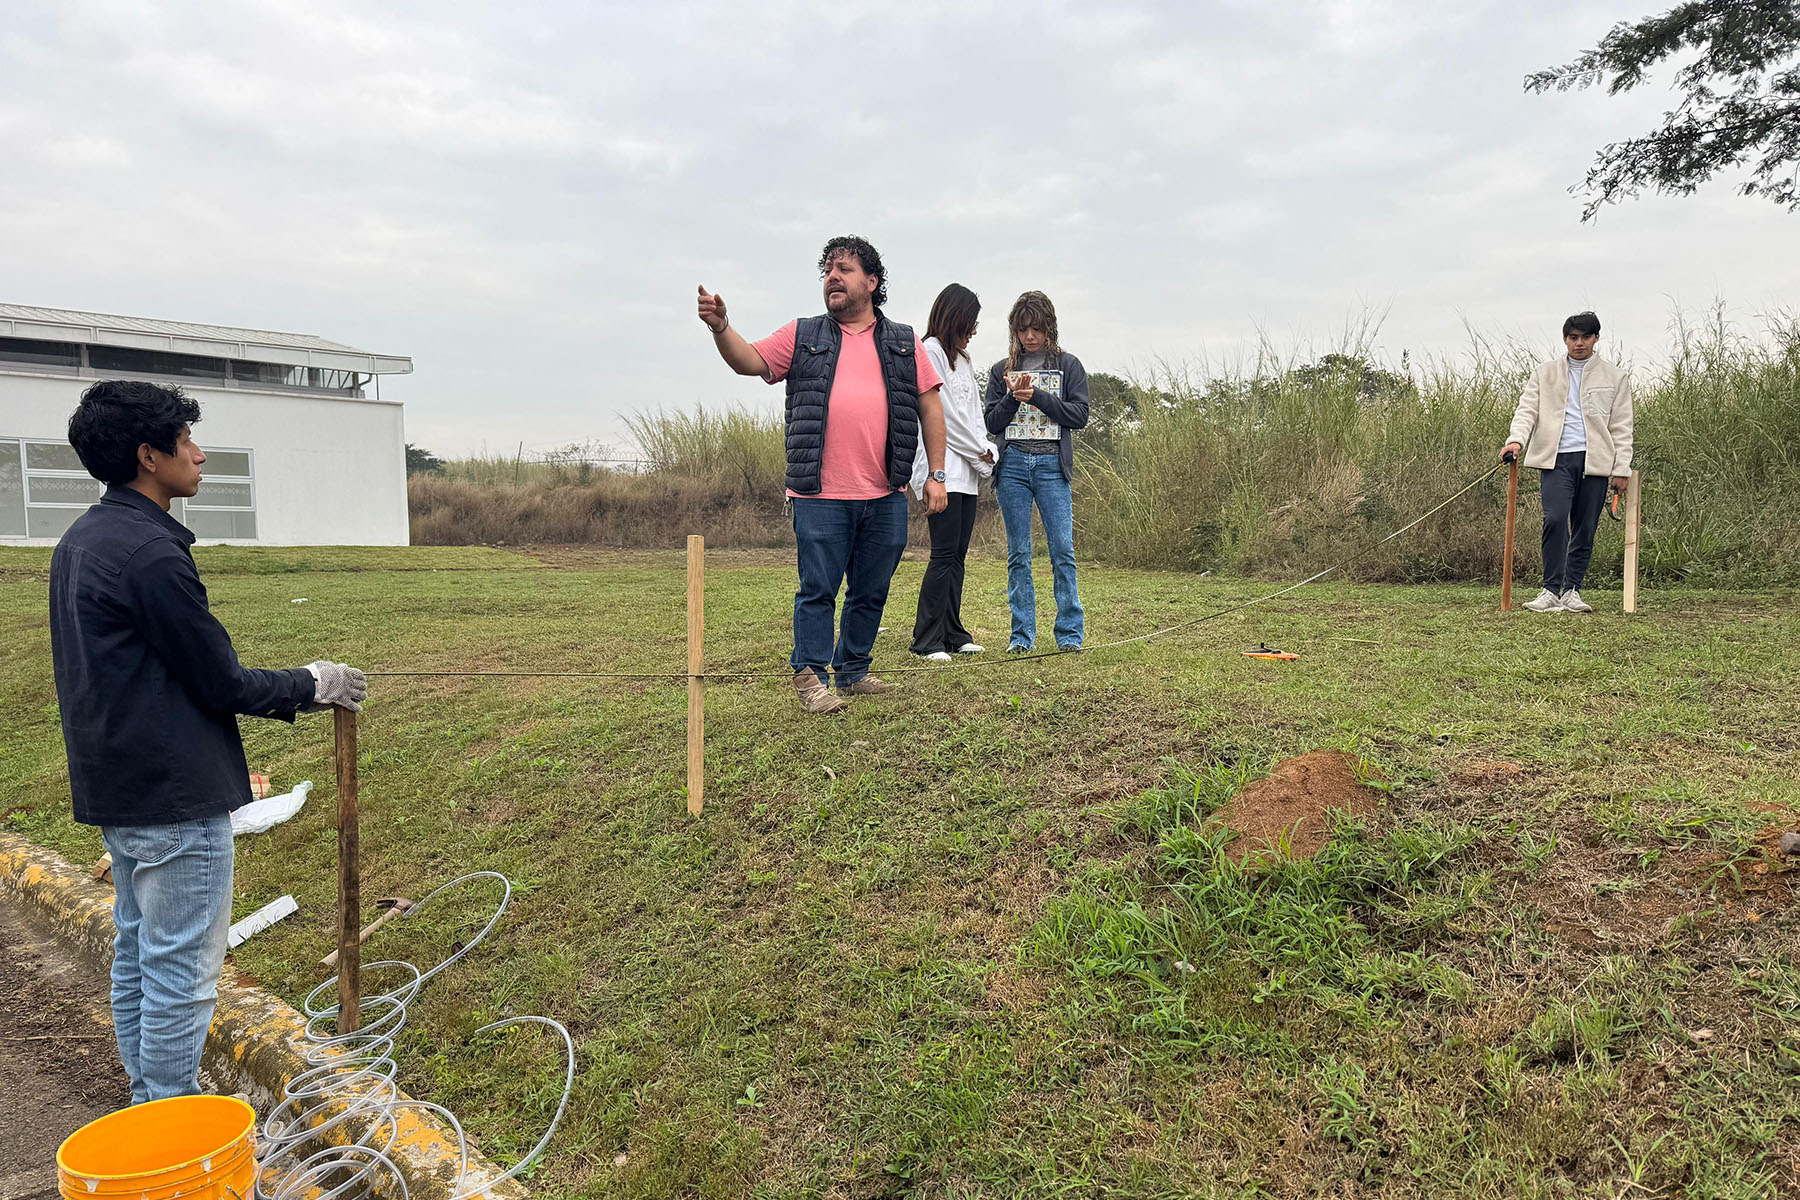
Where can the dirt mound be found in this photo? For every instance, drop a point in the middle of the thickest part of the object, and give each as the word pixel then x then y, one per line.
pixel 1295 800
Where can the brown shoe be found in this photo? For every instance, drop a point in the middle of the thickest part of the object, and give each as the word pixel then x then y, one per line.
pixel 868 685
pixel 815 697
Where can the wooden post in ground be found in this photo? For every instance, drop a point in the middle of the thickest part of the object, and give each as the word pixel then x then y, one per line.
pixel 696 712
pixel 349 963
pixel 1512 522
pixel 1633 508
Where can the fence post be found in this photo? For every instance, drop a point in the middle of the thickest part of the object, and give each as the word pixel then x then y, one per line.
pixel 349 963
pixel 1512 520
pixel 696 711
pixel 1633 508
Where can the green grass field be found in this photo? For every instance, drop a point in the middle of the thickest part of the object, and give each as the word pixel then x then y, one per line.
pixel 979 940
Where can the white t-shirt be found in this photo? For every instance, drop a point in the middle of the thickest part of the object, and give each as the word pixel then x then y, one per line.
pixel 965 433
pixel 1574 430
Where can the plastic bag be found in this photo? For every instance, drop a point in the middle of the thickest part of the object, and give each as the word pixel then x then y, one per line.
pixel 260 816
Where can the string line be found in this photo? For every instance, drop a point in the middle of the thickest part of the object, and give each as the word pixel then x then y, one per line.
pixel 1005 660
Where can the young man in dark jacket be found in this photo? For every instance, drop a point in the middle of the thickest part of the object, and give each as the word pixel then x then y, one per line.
pixel 150 688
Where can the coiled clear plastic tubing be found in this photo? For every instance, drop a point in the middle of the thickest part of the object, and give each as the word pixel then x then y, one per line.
pixel 349 1085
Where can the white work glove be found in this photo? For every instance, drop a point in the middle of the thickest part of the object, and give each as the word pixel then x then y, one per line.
pixel 337 685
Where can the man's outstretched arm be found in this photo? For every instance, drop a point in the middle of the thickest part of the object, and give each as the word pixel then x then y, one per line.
pixel 738 354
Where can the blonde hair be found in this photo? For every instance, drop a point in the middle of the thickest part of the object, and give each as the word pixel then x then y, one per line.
pixel 1031 309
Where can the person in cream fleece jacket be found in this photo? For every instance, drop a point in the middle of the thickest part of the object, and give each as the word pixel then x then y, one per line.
pixel 1573 424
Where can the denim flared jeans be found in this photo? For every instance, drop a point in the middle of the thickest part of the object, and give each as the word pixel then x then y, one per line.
pixel 1020 481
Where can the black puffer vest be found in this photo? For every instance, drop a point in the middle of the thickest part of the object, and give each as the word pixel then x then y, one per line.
pixel 816 344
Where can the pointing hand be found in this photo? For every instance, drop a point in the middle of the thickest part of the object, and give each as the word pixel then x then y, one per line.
pixel 712 311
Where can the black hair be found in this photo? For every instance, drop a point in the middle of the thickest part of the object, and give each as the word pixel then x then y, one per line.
pixel 867 255
pixel 116 416
pixel 953 316
pixel 1582 322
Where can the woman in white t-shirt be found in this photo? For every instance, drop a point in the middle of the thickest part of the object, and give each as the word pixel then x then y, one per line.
pixel 968 459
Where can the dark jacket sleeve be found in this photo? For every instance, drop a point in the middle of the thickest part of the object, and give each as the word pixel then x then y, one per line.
pixel 168 604
pixel 998 407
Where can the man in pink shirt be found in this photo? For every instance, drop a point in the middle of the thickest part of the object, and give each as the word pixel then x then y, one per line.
pixel 862 401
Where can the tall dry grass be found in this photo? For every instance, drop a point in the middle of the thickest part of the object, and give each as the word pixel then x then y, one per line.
pixel 738 452
pixel 1287 467
pixel 1276 469
pixel 624 511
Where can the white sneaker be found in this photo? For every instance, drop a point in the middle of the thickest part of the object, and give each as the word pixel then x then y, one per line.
pixel 935 656
pixel 1572 602
pixel 969 648
pixel 1547 602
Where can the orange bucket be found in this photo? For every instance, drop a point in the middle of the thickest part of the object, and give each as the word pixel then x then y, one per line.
pixel 202 1147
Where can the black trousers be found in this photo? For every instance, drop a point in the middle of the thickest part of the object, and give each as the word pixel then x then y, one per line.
pixel 1572 504
pixel 938 625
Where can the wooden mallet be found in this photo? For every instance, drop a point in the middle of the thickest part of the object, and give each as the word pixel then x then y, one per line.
pixel 392 906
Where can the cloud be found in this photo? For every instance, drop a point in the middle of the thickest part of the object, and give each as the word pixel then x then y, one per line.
pixel 523 197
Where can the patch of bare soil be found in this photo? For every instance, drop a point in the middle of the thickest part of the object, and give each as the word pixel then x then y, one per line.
pixel 1594 896
pixel 1295 801
pixel 59 1068
pixel 1485 773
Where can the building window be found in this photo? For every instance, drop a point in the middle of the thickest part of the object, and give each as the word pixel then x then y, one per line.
pixel 12 491
pixel 49 487
pixel 225 505
pixel 43 488
pixel 60 358
pixel 107 360
pixel 40 354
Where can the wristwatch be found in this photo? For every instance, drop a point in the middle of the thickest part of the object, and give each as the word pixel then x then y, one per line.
pixel 938 477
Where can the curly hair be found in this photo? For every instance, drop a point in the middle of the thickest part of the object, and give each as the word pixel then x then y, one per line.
pixel 859 249
pixel 1031 309
pixel 116 416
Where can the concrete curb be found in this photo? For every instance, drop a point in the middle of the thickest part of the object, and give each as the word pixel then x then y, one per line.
pixel 255 1044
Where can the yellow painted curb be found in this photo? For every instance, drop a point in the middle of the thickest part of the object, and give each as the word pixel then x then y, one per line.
pixel 255 1044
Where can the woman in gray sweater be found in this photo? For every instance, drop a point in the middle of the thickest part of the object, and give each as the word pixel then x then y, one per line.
pixel 1037 396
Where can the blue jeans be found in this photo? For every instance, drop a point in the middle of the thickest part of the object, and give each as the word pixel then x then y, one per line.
pixel 1019 480
pixel 172 906
pixel 861 540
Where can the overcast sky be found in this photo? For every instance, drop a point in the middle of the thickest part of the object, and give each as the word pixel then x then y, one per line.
pixel 523 197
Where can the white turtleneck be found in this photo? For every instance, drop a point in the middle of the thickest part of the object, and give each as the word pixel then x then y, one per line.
pixel 1574 430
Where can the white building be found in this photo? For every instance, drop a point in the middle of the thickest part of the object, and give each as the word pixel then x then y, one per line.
pixel 300 447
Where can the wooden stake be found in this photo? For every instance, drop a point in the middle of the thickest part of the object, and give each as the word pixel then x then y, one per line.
pixel 696 712
pixel 349 876
pixel 1633 504
pixel 1512 522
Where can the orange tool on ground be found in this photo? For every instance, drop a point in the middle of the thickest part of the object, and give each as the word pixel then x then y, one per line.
pixel 1263 651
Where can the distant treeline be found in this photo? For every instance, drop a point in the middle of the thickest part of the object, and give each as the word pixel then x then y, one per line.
pixel 1271 470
